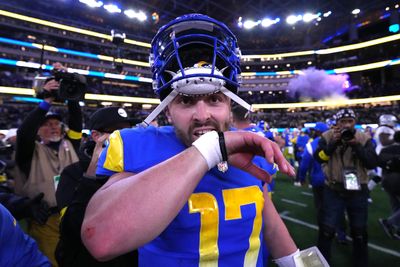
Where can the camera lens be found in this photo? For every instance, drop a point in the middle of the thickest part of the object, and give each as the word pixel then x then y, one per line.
pixel 347 134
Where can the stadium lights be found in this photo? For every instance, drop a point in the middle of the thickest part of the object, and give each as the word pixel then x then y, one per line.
pixel 356 11
pixel 308 17
pixel 16 90
pixel 132 14
pixel 244 57
pixel 292 19
pixel 112 8
pixel 268 22
pixel 332 50
pixel 333 103
pixel 156 101
pixel 73 52
pixel 68 28
pixel 370 66
pixel 249 24
pixel 327 14
pixel 92 3
pixel 33 65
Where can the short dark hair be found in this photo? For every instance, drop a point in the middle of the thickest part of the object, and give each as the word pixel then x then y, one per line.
pixel 240 113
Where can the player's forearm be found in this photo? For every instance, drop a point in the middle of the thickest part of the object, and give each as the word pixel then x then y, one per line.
pixel 276 235
pixel 127 214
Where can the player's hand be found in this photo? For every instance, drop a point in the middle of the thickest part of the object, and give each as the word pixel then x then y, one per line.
pixel 243 146
pixel 336 134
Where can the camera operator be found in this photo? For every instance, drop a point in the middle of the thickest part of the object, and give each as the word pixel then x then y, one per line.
pixel 346 154
pixel 42 161
pixel 390 162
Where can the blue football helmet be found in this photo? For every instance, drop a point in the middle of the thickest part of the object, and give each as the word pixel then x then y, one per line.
pixel 194 55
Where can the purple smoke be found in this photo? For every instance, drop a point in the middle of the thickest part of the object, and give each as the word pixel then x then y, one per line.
pixel 317 84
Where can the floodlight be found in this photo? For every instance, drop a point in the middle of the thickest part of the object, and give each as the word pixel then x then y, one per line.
pixel 292 19
pixel 140 15
pixel 268 22
pixel 327 14
pixel 112 8
pixel 309 17
pixel 92 3
pixel 249 24
pixel 356 11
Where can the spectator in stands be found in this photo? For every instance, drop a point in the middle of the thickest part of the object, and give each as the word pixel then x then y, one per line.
pixel 41 161
pixel 78 183
pixel 17 248
pixel 346 155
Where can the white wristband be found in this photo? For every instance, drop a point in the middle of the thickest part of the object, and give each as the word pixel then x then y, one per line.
pixel 287 261
pixel 208 146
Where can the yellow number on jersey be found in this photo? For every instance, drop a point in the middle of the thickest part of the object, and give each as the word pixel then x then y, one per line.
pixel 206 204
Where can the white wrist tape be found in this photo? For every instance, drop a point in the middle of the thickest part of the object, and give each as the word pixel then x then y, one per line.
pixel 287 261
pixel 208 146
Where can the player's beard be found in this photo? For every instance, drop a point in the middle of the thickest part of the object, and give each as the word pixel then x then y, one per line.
pixel 188 138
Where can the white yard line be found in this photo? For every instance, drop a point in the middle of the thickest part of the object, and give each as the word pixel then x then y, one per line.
pixel 307 194
pixel 294 202
pixel 315 227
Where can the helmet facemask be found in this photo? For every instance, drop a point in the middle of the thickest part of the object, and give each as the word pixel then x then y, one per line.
pixel 194 55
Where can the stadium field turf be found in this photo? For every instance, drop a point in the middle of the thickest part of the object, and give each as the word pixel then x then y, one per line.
pixel 296 206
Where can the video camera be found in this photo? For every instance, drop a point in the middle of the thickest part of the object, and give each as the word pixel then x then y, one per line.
pixel 72 86
pixel 347 134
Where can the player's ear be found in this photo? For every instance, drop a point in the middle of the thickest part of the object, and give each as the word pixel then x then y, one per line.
pixel 168 115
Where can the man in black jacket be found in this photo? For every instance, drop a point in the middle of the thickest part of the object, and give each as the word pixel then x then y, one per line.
pixel 77 185
pixel 390 163
pixel 345 154
pixel 41 161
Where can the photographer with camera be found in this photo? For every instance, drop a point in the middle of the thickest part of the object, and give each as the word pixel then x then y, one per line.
pixel 346 155
pixel 42 161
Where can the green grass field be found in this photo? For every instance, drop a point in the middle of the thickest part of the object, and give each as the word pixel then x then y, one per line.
pixel 300 219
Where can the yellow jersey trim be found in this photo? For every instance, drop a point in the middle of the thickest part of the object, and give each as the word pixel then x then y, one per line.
pixel 115 153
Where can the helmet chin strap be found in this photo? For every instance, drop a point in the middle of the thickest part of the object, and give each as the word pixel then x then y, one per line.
pixel 159 108
pixel 174 93
pixel 237 99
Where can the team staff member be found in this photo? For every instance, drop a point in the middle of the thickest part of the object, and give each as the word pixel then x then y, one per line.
pixel 346 155
pixel 42 161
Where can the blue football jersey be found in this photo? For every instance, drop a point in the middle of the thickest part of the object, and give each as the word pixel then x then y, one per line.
pixel 16 247
pixel 221 223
